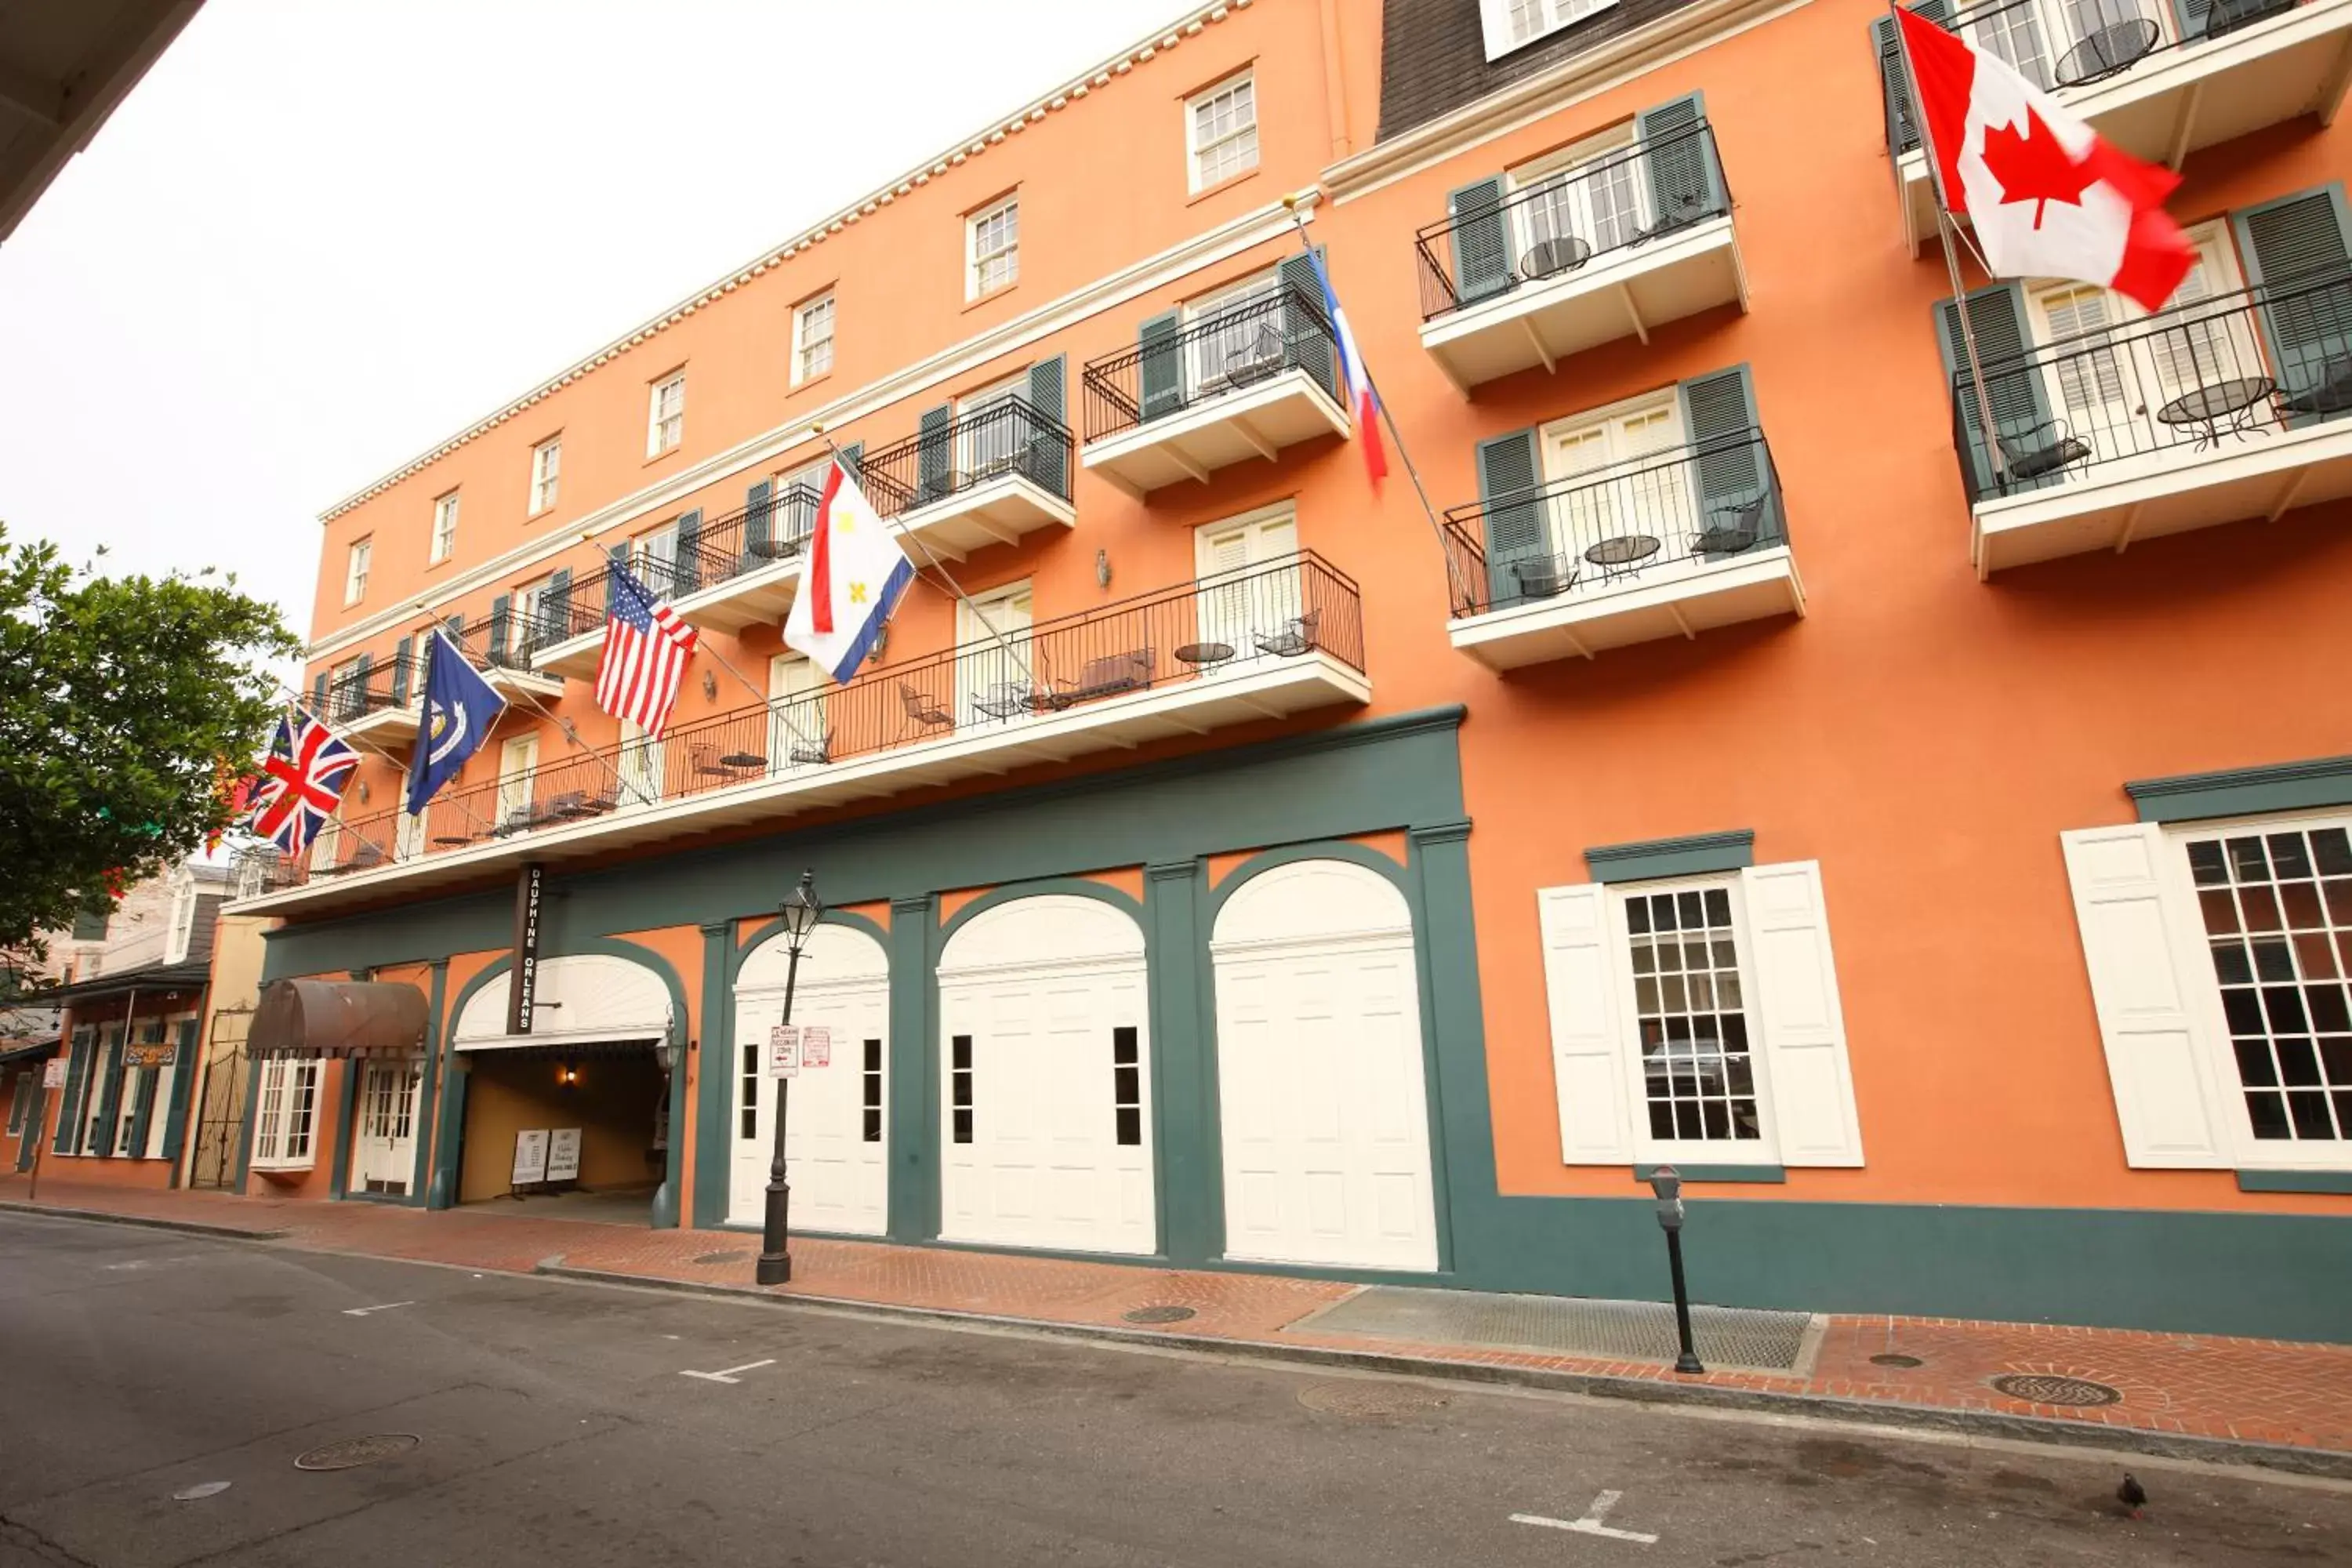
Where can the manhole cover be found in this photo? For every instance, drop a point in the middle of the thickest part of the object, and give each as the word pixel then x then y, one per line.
pixel 723 1257
pixel 1158 1314
pixel 355 1451
pixel 200 1490
pixel 2047 1388
pixel 1361 1401
pixel 1891 1358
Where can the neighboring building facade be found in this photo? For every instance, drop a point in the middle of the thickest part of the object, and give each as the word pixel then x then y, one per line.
pixel 1249 873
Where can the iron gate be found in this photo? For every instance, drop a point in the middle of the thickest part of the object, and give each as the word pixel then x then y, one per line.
pixel 220 1118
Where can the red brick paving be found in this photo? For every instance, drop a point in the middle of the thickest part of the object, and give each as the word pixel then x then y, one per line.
pixel 2257 1391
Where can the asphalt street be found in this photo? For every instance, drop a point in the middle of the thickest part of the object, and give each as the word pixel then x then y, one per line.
pixel 571 1425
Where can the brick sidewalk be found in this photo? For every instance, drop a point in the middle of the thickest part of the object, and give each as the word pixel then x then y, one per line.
pixel 2245 1391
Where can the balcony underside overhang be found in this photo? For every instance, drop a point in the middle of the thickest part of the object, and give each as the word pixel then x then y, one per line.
pixel 1216 433
pixel 1195 707
pixel 1620 294
pixel 2171 492
pixel 510 683
pixel 1669 604
pixel 2180 100
pixel 997 510
pixel 392 728
pixel 574 657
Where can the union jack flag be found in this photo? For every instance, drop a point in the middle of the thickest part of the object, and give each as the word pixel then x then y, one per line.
pixel 301 783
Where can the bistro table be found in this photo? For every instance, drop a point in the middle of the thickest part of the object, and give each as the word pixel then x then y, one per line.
pixel 2219 407
pixel 742 760
pixel 1205 655
pixel 1621 557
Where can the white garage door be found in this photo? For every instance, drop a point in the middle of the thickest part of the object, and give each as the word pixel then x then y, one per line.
pixel 1045 1110
pixel 836 1140
pixel 1319 1076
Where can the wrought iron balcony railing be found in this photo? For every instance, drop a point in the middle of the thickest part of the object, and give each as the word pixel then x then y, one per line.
pixel 967 451
pixel 2061 44
pixel 1193 634
pixel 1554 226
pixel 1630 523
pixel 384 678
pixel 2189 378
pixel 1223 352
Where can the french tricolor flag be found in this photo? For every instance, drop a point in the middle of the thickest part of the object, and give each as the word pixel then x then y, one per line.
pixel 1362 401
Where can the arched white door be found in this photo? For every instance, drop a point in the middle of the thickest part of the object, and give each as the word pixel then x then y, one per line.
pixel 836 1135
pixel 1322 1102
pixel 1045 1109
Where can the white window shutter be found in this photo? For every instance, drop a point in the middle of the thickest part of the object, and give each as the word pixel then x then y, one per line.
pixel 1589 1058
pixel 2141 987
pixel 1806 1071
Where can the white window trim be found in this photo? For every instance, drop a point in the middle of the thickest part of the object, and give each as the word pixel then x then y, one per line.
pixel 1194 149
pixel 184 920
pixel 1503 38
pixel 277 1077
pixel 659 439
pixel 442 544
pixel 971 255
pixel 546 474
pixel 2173 1075
pixel 801 345
pixel 356 566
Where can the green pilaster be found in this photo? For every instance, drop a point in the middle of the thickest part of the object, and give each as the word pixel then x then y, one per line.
pixel 1462 1175
pixel 244 1144
pixel 339 1175
pixel 1183 1076
pixel 914 1076
pixel 712 1134
pixel 436 995
pixel 143 1112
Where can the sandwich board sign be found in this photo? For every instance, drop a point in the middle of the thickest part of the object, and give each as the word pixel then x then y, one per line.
pixel 531 1156
pixel 564 1155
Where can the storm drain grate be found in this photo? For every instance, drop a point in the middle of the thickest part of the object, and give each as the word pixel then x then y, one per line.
pixel 2049 1388
pixel 1607 1331
pixel 1158 1314
pixel 349 1453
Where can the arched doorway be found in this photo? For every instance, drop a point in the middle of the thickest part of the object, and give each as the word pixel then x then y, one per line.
pixel 1322 1099
pixel 837 1136
pixel 1044 1049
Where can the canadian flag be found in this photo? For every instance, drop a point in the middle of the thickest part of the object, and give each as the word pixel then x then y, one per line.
pixel 2047 197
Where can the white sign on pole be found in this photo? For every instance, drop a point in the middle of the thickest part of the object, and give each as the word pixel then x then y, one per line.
pixel 564 1155
pixel 53 1073
pixel 531 1156
pixel 816 1047
pixel 783 1051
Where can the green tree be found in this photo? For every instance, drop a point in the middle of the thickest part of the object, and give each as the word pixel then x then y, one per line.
pixel 121 697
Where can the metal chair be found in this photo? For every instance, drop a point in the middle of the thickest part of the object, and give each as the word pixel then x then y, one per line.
pixel 924 713
pixel 2040 449
pixel 1744 528
pixel 1007 698
pixel 2228 15
pixel 1551 258
pixel 811 754
pixel 1297 636
pixel 1105 676
pixel 1256 360
pixel 2326 390
pixel 1542 578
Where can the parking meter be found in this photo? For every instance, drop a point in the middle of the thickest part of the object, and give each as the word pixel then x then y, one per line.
pixel 1667 1183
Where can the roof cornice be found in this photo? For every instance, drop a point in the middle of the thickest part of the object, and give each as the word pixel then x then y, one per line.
pixel 1083 85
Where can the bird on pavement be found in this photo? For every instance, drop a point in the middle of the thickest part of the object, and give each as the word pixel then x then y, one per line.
pixel 2131 1494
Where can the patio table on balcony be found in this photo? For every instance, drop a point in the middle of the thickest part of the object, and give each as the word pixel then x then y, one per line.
pixel 2221 407
pixel 1622 555
pixel 2107 49
pixel 1205 655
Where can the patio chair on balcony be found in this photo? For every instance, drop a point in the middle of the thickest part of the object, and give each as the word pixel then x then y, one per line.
pixel 2228 15
pixel 924 713
pixel 710 762
pixel 1687 210
pixel 810 753
pixel 2326 389
pixel 1298 636
pixel 1542 578
pixel 1737 528
pixel 1256 360
pixel 1105 676
pixel 521 819
pixel 2040 449
pixel 1007 699
pixel 1551 258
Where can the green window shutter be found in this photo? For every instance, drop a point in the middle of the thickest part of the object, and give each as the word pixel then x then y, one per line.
pixel 2299 251
pixel 1686 184
pixel 934 454
pixel 1514 529
pixel 404 660
pixel 89 925
pixel 355 700
pixel 1728 452
pixel 616 561
pixel 1306 335
pixel 109 1102
pixel 1901 126
pixel 554 610
pixel 1162 370
pixel 2014 389
pixel 689 573
pixel 70 1114
pixel 142 1114
pixel 1481 236
pixel 501 612
pixel 183 1070
pixel 759 513
pixel 2194 15
pixel 1047 444
pixel 853 460
pixel 319 696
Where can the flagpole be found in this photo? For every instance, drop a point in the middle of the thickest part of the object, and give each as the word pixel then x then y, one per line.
pixel 1396 437
pixel 1944 229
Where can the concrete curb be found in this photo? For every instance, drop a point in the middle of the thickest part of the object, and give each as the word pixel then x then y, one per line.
pixel 185 1226
pixel 2324 1462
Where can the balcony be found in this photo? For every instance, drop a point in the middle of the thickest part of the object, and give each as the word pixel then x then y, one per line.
pixel 986 477
pixel 1239 382
pixel 381 703
pixel 1608 249
pixel 1267 641
pixel 2155 84
pixel 1666 544
pixel 2229 408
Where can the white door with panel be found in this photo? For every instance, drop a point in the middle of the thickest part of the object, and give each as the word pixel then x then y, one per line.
pixel 383 1127
pixel 836 1140
pixel 1045 1051
pixel 1320 1073
pixel 997 663
pixel 1244 592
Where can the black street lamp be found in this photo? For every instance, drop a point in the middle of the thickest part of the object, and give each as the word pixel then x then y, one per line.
pixel 801 913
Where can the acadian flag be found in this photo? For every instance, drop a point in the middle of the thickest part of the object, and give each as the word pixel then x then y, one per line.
pixel 856 573
pixel 1362 401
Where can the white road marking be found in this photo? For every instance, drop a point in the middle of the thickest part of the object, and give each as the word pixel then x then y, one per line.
pixel 1590 1523
pixel 728 1375
pixel 385 1307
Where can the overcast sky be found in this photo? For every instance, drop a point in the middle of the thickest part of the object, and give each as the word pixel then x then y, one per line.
pixel 322 235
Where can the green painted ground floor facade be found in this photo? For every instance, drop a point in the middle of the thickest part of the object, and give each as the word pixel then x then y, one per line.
pixel 1315 798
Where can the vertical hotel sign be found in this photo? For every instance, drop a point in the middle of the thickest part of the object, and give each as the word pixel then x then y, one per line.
pixel 522 982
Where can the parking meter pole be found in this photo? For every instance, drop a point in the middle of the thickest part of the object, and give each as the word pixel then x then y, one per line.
pixel 1689 1361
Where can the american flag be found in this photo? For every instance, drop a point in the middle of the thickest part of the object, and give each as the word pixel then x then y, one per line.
pixel 646 648
pixel 301 782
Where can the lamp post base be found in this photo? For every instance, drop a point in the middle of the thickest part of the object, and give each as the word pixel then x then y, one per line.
pixel 775 1238
pixel 776 1268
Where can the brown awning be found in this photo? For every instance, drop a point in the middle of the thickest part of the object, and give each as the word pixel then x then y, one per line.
pixel 337 1018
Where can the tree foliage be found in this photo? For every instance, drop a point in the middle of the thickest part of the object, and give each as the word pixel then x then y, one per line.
pixel 122 699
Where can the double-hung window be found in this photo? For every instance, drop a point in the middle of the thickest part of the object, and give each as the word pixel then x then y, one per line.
pixel 666 414
pixel 445 530
pixel 812 338
pixel 992 247
pixel 1591 197
pixel 355 570
pixel 346 692
pixel 284 1111
pixel 1509 23
pixel 1221 131
pixel 993 431
pixel 546 473
pixel 1695 1019
pixel 653 558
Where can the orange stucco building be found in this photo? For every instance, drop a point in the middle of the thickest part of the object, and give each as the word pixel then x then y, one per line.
pixel 1934 846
